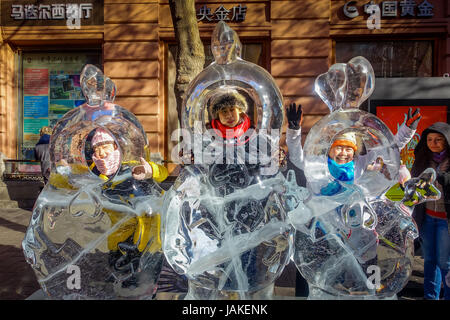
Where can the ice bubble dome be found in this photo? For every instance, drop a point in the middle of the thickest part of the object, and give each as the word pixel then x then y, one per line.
pixel 93 236
pixel 229 71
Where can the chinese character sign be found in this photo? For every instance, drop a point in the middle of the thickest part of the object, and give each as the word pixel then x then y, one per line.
pixel 51 12
pixel 234 14
pixel 392 9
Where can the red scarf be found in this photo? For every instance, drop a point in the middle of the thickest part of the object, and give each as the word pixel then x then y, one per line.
pixel 231 132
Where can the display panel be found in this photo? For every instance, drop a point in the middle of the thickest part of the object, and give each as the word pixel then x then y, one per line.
pixel 51 87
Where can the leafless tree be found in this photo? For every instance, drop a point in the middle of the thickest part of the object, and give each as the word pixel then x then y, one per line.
pixel 190 53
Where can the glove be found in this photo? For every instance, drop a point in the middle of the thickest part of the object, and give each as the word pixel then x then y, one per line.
pixel 143 171
pixel 413 120
pixel 294 116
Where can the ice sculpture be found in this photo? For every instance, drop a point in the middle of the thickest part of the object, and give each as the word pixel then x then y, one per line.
pixel 225 223
pixel 95 228
pixel 351 240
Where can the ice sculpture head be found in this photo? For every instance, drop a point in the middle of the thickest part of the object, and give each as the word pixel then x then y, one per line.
pixel 225 44
pixel 109 137
pixel 229 73
pixel 346 85
pixel 96 86
pixel 355 133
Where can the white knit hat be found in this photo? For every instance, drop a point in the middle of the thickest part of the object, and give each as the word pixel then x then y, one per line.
pixel 100 137
pixel 346 139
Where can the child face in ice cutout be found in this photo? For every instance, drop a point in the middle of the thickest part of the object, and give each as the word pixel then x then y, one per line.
pixel 104 150
pixel 106 153
pixel 341 154
pixel 436 142
pixel 229 116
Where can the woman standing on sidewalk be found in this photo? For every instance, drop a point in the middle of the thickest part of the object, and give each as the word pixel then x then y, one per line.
pixel 432 217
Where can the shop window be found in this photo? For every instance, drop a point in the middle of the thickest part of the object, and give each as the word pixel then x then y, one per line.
pixel 405 58
pixel 50 86
pixel 253 52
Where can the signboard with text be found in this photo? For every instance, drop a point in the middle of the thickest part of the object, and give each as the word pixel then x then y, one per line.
pixel 51 87
pixel 226 13
pixel 51 12
pixel 391 9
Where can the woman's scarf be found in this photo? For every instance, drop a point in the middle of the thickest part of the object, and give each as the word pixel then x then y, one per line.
pixel 231 132
pixel 342 172
pixel 108 165
pixel 438 157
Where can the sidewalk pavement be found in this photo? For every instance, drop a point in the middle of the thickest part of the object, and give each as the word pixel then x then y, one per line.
pixel 18 281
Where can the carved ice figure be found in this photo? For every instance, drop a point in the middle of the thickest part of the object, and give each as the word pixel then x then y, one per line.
pixel 225 223
pixel 98 214
pixel 351 241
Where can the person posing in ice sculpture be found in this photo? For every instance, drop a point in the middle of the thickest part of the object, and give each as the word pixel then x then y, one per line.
pixel 432 217
pixel 229 116
pixel 106 160
pixel 129 241
pixel 132 238
pixel 343 162
pixel 230 121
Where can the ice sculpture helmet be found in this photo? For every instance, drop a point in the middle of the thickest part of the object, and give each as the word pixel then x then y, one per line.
pixel 231 73
pixel 343 88
pixel 79 125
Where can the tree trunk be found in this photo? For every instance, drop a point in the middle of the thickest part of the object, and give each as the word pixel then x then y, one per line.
pixel 190 53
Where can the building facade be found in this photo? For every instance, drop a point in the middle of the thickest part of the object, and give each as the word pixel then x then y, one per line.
pixel 43 49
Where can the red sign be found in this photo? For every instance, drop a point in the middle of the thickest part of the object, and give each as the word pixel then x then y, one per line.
pixel 394 116
pixel 35 82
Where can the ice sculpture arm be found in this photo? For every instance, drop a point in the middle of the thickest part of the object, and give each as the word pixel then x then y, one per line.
pixel 294 144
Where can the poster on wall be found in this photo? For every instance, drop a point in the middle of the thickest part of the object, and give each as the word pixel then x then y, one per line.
pixel 51 87
pixel 393 116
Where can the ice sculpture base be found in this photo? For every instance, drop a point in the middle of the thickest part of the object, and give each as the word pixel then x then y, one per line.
pixel 316 293
pixel 196 292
